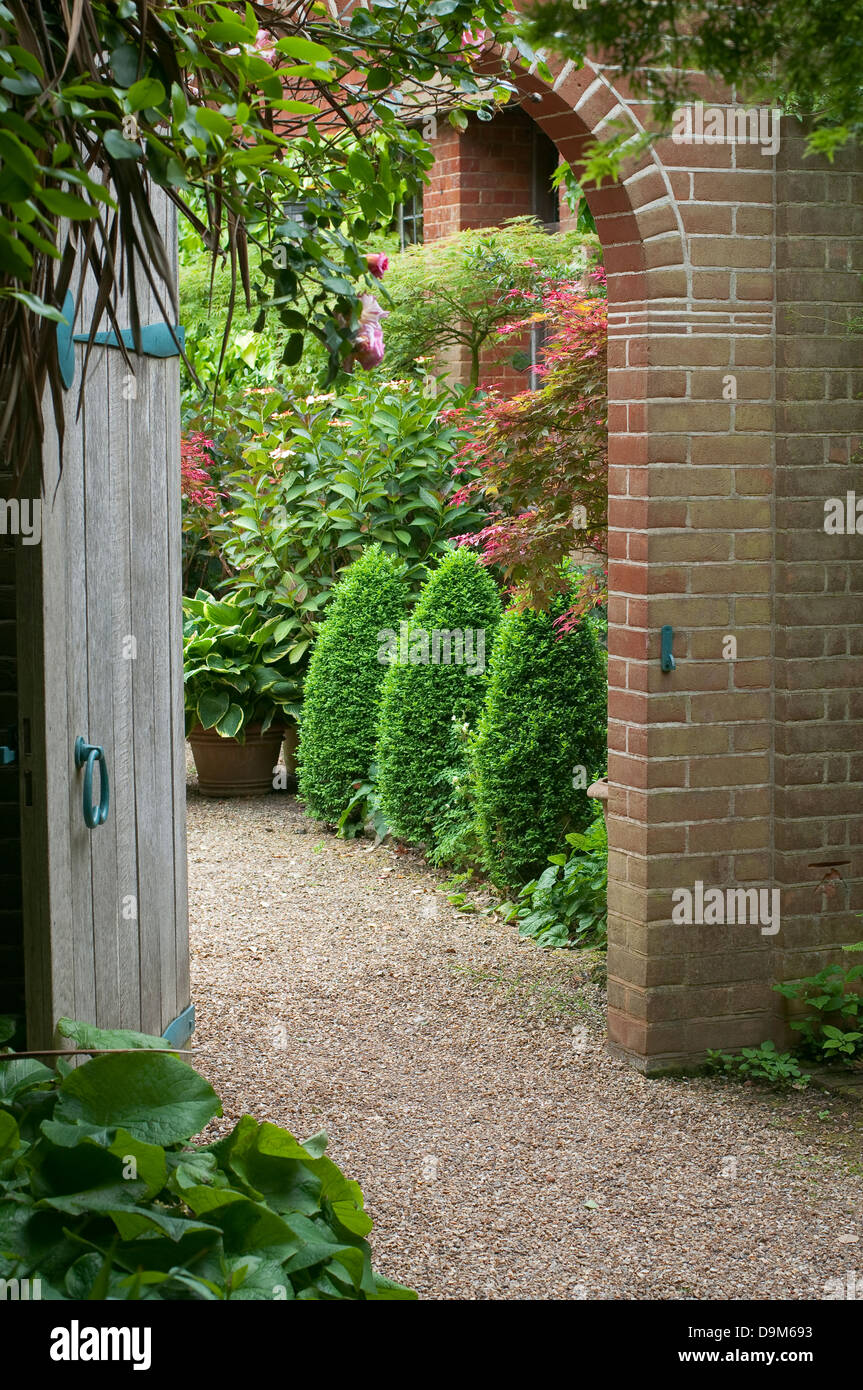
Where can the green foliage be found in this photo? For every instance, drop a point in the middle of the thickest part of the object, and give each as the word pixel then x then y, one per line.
pixel 296 141
pixel 566 905
pixel 804 59
pixel 455 291
pixel 102 1195
pixel 363 811
pixel 238 667
pixel 323 479
pixel 829 995
pixel 342 691
pixel 760 1064
pixel 544 719
pixel 228 347
pixel 428 704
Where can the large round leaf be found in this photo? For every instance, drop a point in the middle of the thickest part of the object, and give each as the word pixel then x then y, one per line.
pixel 212 705
pixel 152 1095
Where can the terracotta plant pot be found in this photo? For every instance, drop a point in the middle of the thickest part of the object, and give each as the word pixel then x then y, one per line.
pixel 227 767
pixel 289 753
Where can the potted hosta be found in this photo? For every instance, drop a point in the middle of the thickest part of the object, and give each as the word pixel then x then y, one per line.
pixel 241 694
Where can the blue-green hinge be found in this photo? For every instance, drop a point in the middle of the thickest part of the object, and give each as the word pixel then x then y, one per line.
pixel 9 751
pixel 179 1032
pixel 157 340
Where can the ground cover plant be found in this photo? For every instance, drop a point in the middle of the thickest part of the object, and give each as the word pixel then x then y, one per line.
pixel 338 726
pixel 765 1065
pixel 104 1194
pixel 567 904
pixel 830 1031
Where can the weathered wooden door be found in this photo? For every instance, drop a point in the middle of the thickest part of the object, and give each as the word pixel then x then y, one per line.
pixel 100 657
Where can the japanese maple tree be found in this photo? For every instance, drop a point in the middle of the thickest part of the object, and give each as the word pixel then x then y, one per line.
pixel 543 456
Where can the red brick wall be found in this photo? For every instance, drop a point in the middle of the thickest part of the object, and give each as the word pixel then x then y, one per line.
pixel 481 176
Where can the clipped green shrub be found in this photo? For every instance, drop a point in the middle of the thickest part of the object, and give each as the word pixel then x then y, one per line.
pixel 541 741
pixel 342 689
pixel 432 695
pixel 105 1196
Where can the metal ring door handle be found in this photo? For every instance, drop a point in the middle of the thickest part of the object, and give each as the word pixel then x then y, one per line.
pixel 87 755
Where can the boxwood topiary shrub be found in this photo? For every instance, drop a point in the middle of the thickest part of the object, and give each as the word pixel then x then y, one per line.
pixel 342 690
pixel 545 718
pixel 432 695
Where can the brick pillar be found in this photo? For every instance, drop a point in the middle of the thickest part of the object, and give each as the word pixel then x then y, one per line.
pixel 734 414
pixel 819 576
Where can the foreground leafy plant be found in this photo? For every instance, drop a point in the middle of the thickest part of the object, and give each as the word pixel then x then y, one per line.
pixel 762 1064
pixel 102 1195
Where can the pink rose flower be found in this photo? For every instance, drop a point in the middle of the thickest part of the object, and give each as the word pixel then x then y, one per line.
pixel 378 264
pixel 371 311
pixel 264 43
pixel 369 342
pixel 369 346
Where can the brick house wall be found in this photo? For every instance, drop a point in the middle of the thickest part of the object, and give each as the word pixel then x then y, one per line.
pixel 481 176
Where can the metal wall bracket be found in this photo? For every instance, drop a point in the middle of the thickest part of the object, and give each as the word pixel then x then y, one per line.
pixel 666 660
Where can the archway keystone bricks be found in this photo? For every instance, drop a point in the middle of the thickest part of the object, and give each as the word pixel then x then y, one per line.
pixel 734 415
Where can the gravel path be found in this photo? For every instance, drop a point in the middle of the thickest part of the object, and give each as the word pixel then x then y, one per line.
pixel 462 1079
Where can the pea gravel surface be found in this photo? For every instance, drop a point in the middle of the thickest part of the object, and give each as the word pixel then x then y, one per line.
pixel 462 1079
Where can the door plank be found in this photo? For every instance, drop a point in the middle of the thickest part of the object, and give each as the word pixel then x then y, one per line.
pixel 101 577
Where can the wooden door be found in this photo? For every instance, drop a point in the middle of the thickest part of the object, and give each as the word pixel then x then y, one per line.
pixel 100 656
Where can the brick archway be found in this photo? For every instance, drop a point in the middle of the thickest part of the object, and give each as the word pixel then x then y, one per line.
pixel 733 416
